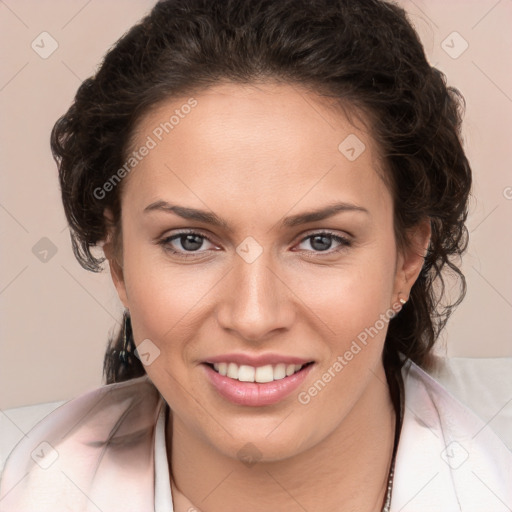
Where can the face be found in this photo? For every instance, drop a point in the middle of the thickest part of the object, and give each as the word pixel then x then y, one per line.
pixel 225 268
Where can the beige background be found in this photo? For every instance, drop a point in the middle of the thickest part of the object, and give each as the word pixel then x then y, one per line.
pixel 55 317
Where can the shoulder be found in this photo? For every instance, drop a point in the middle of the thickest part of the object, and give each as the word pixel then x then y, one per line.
pixel 80 449
pixel 448 458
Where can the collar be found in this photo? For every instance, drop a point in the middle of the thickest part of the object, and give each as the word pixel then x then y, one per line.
pixel 448 459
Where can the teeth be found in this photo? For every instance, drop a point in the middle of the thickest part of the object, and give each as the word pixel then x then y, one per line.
pixel 264 374
pixel 232 371
pixel 279 371
pixel 291 369
pixel 246 373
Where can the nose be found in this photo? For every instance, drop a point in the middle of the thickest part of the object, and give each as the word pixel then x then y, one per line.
pixel 257 302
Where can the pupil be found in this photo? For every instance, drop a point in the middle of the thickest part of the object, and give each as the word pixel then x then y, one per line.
pixel 187 239
pixel 323 246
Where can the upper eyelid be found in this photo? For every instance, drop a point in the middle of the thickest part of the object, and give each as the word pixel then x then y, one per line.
pixel 186 232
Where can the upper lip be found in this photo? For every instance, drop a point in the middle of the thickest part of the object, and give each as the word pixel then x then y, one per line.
pixel 259 360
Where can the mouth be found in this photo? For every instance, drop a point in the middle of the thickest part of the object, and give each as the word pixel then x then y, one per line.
pixel 255 386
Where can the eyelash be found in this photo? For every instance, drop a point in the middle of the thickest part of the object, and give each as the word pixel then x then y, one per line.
pixel 165 243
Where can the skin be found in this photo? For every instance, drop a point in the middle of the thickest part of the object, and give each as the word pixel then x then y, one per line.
pixel 253 155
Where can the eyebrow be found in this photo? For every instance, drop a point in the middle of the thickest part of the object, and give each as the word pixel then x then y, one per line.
pixel 291 221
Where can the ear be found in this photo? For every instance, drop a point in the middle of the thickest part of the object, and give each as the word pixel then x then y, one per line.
pixel 115 259
pixel 411 258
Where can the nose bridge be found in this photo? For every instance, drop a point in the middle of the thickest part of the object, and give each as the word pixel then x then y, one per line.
pixel 256 303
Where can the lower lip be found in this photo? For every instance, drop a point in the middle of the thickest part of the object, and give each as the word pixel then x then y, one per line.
pixel 255 394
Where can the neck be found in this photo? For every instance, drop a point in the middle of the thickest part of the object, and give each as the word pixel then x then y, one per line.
pixel 346 471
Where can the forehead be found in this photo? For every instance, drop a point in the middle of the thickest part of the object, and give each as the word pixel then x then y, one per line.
pixel 254 143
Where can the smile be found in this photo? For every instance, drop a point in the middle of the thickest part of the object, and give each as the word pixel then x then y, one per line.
pixel 261 374
pixel 256 386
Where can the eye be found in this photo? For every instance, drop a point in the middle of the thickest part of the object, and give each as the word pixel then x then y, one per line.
pixel 322 242
pixel 190 242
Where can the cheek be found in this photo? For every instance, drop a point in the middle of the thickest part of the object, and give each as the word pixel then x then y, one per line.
pixel 165 297
pixel 160 299
pixel 355 306
pixel 350 297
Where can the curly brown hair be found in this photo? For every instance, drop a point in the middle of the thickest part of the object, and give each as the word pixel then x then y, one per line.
pixel 364 54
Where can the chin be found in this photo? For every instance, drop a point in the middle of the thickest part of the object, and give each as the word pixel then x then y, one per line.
pixel 264 442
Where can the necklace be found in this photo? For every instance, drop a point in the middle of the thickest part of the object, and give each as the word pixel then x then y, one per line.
pixel 387 504
pixel 398 428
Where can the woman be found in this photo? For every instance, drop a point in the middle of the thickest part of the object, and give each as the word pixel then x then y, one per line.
pixel 279 188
